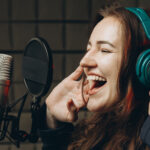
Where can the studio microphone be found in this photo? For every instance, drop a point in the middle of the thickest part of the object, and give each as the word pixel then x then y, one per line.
pixel 37 71
pixel 6 63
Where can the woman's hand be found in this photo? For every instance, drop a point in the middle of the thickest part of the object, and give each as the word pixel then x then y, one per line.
pixel 66 99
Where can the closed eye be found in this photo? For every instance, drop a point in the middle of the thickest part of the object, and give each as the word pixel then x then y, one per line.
pixel 105 51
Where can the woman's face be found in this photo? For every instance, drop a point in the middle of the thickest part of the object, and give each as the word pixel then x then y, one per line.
pixel 102 63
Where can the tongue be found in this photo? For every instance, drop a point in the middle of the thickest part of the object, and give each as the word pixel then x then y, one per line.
pixel 94 87
pixel 96 84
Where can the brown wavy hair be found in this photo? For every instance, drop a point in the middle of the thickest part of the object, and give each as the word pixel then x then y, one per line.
pixel 118 128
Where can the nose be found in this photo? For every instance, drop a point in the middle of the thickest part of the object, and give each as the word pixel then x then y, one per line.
pixel 88 62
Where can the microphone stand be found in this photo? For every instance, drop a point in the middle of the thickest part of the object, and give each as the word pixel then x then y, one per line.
pixel 35 107
pixel 15 135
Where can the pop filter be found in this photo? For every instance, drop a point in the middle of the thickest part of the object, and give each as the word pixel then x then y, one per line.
pixel 37 67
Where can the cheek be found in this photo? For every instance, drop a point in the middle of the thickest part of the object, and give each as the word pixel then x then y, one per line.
pixel 110 66
pixel 116 64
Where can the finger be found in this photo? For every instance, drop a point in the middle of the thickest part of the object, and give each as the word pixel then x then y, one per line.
pixel 86 98
pixel 85 90
pixel 77 73
pixel 78 99
pixel 81 82
pixel 81 92
pixel 72 114
pixel 85 82
pixel 71 106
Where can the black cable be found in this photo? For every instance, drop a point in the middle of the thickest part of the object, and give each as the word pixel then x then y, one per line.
pixel 15 129
pixel 15 120
pixel 17 101
pixel 22 105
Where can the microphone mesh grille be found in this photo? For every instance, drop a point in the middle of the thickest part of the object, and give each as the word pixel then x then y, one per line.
pixel 5 66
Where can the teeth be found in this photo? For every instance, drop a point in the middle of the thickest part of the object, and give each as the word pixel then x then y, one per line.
pixel 96 78
pixel 92 78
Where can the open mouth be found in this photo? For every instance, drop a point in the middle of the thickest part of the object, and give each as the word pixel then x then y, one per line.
pixel 98 84
pixel 95 83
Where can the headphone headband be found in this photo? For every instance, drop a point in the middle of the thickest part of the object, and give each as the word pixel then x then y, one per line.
pixel 143 60
pixel 144 18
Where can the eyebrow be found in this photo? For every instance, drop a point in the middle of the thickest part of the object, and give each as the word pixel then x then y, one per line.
pixel 102 42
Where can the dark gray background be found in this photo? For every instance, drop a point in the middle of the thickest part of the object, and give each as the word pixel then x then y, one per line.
pixel 64 24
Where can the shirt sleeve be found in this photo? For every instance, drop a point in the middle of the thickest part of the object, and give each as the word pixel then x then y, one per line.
pixel 145 131
pixel 54 139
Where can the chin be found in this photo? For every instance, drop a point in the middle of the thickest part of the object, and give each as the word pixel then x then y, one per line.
pixel 95 108
pixel 99 107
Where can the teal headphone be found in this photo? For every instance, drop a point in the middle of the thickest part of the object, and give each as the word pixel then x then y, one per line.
pixel 143 61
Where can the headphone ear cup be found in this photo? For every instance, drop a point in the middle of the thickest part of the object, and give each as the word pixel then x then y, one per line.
pixel 143 68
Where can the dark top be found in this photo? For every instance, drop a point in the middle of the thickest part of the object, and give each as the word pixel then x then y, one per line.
pixel 58 139
pixel 145 131
pixel 53 139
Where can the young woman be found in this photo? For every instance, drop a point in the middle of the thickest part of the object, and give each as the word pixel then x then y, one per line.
pixel 110 89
